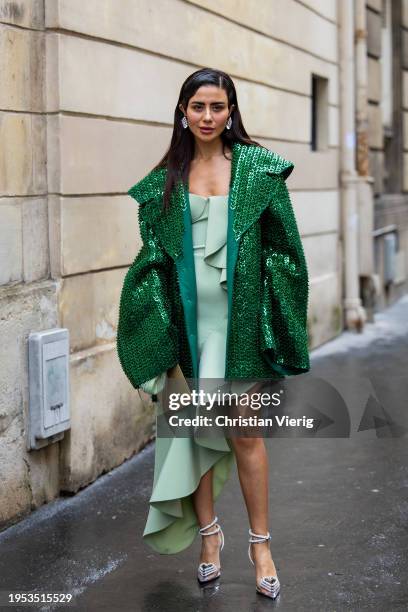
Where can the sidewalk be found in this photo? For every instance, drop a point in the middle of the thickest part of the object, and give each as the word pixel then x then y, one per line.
pixel 338 512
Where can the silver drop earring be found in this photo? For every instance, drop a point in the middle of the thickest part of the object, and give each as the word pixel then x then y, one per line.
pixel 184 122
pixel 229 123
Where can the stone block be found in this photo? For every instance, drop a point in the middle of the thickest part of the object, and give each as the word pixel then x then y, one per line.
pixel 22 154
pixel 109 421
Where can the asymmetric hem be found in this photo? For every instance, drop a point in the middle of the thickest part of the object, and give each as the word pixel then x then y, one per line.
pixel 181 462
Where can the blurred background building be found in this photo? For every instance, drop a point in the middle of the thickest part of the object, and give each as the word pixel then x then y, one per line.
pixel 87 96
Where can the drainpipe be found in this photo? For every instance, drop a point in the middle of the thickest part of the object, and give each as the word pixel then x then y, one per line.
pixel 354 314
pixel 368 280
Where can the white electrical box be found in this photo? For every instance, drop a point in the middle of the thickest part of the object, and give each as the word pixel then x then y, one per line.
pixel 48 368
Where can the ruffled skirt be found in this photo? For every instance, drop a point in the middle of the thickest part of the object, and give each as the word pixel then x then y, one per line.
pixel 180 463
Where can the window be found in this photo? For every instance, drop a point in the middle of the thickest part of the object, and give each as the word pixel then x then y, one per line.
pixel 320 114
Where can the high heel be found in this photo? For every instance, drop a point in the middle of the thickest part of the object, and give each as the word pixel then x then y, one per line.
pixel 210 571
pixel 271 584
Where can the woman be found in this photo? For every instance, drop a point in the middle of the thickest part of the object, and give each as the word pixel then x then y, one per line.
pixel 220 288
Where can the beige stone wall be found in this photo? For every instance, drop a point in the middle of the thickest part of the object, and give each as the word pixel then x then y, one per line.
pixel 64 248
pixel 28 299
pixel 118 85
pixel 86 111
pixel 390 191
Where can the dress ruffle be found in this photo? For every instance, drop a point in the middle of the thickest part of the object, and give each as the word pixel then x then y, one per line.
pixel 172 522
pixel 209 220
pixel 208 215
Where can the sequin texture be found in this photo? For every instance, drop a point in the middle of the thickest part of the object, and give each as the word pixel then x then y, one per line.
pixel 146 313
pixel 268 321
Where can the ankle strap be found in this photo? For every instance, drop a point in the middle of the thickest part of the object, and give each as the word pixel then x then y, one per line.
pixel 216 530
pixel 259 537
pixel 255 539
pixel 202 529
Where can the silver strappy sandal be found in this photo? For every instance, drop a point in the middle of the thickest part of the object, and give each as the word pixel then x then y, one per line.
pixel 271 584
pixel 210 571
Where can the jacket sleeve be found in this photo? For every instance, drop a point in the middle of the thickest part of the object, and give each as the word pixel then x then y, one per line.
pixel 285 286
pixel 147 343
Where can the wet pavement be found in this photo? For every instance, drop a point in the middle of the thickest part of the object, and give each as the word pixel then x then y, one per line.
pixel 338 510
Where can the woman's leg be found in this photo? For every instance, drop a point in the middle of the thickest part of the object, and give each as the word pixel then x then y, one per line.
pixel 252 465
pixel 203 503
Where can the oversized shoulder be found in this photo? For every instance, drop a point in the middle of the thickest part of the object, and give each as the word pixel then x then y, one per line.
pixel 268 161
pixel 149 187
pixel 244 157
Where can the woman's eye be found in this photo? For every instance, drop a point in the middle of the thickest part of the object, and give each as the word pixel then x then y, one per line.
pixel 200 108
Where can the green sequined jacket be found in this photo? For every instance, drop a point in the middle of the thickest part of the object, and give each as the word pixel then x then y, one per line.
pixel 267 278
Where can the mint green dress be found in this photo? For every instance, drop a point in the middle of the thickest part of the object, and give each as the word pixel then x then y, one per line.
pixel 181 462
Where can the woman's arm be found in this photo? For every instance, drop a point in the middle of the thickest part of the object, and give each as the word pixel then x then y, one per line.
pixel 285 287
pixel 155 385
pixel 147 342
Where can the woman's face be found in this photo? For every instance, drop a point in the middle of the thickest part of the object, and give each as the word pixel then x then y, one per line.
pixel 208 108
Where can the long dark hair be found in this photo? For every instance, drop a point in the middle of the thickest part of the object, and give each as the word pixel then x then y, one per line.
pixel 181 150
